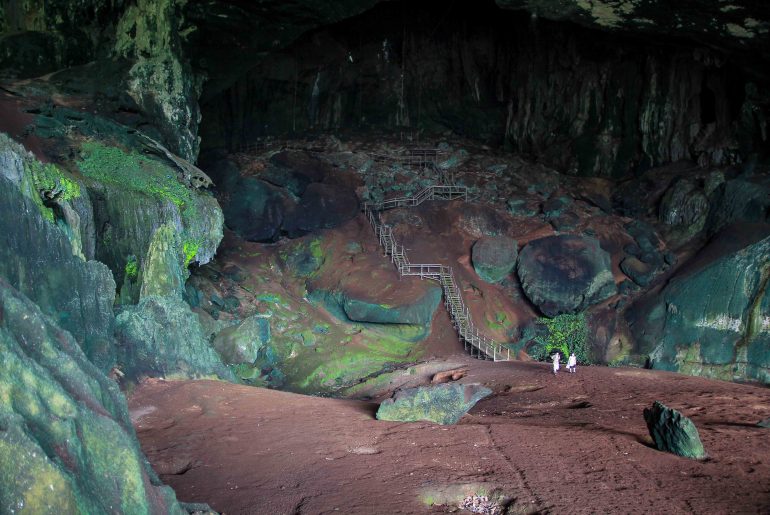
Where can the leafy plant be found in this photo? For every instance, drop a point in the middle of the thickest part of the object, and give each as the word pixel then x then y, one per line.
pixel 565 333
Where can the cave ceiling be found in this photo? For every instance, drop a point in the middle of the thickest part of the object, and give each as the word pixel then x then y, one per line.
pixel 234 35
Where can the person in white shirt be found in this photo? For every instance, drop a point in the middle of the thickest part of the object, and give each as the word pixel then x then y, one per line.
pixel 572 363
pixel 556 358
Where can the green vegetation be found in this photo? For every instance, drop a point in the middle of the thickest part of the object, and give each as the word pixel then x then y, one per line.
pixel 132 171
pixel 132 268
pixel 50 179
pixel 566 333
pixel 500 323
pixel 190 249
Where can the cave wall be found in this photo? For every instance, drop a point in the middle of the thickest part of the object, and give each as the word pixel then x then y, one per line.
pixel 586 102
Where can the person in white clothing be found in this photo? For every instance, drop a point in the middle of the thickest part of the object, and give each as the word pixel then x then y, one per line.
pixel 572 363
pixel 556 358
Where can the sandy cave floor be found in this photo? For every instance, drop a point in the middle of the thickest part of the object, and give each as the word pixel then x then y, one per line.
pixel 565 444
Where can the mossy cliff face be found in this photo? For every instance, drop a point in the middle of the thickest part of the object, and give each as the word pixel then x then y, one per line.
pixel 162 81
pixel 139 207
pixel 66 442
pixel 143 223
pixel 37 258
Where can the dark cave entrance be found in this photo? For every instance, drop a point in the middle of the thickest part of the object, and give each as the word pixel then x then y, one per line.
pixel 583 101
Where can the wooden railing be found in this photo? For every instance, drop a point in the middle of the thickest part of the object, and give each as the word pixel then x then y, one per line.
pixel 479 345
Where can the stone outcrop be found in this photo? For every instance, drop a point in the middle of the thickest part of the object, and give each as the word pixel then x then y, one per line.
pixel 37 258
pixel 442 404
pixel 66 444
pixel 712 317
pixel 673 432
pixel 565 274
pixel 161 336
pixel 241 343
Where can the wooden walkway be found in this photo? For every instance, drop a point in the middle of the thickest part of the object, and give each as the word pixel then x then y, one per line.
pixel 479 345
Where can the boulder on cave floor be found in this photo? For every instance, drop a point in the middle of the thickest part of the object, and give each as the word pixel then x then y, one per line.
pixel 256 210
pixel 565 273
pixel 442 404
pixel 322 206
pixel 294 170
pixel 494 257
pixel 162 336
pixel 673 432
pixel 241 343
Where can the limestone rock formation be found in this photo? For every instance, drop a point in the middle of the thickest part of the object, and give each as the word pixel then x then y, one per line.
pixel 66 444
pixel 241 343
pixel 161 336
pixel 494 258
pixel 711 318
pixel 256 210
pixel 673 432
pixel 442 404
pixel 565 274
pixel 37 258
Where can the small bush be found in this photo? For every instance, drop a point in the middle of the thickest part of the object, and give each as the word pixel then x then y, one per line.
pixel 565 334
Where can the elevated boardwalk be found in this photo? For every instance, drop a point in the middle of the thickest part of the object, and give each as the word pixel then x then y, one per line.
pixel 479 345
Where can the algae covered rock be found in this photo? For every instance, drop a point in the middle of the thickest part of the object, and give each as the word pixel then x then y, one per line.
pixel 565 274
pixel 409 320
pixel 162 336
pixel 66 442
pixel 242 343
pixel 494 257
pixel 442 404
pixel 673 432
pixel 37 258
pixel 711 318
pixel 133 196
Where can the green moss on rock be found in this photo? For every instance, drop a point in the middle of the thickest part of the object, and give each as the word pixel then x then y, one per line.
pixel 442 404
pixel 66 445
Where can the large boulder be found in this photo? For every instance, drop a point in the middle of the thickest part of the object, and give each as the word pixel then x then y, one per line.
pixel 673 432
pixel 66 441
pixel 494 257
pixel 322 206
pixel 294 171
pixel 684 207
pixel 442 404
pixel 711 318
pixel 161 336
pixel 740 200
pixel 241 343
pixel 256 210
pixel 565 273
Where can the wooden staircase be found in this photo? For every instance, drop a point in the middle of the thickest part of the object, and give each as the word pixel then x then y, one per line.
pixel 479 345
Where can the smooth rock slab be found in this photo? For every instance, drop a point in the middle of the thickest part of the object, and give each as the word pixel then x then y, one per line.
pixel 442 404
pixel 494 257
pixel 565 274
pixel 673 432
